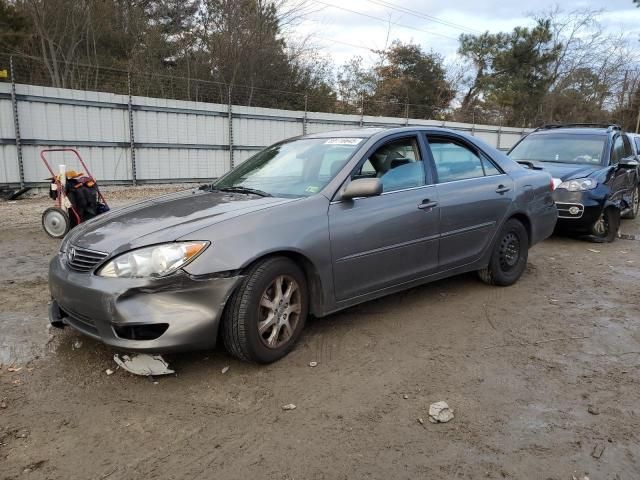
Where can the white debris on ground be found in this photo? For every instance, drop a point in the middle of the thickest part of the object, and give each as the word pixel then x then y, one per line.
pixel 108 371
pixel 313 364
pixel 289 406
pixel 574 477
pixel 225 370
pixel 143 364
pixel 440 412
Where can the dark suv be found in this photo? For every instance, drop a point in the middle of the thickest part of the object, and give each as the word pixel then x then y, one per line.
pixel 595 174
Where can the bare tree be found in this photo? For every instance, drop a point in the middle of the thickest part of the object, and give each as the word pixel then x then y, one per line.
pixel 61 27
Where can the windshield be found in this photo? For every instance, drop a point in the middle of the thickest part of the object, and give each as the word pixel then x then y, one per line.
pixel 298 168
pixel 561 148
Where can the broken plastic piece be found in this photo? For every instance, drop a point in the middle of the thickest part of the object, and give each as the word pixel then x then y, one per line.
pixel 143 364
pixel 440 412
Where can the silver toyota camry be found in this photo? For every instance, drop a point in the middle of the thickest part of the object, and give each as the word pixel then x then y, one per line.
pixel 308 226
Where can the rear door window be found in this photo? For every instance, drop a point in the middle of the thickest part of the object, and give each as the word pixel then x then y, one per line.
pixel 456 161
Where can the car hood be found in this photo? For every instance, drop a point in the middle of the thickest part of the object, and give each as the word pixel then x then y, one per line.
pixel 164 219
pixel 566 171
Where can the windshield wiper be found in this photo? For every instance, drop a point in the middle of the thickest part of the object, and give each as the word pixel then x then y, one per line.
pixel 240 189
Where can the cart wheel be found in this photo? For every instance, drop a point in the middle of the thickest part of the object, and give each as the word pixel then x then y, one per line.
pixel 55 222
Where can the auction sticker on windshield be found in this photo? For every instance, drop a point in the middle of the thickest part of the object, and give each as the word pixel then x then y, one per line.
pixel 343 141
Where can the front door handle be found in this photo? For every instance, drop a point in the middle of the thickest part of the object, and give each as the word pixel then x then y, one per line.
pixel 502 189
pixel 427 204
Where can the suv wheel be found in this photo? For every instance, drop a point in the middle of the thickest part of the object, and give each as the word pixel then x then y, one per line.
pixel 266 314
pixel 509 257
pixel 606 226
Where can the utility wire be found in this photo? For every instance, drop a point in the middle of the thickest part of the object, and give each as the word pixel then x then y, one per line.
pixel 385 21
pixel 426 16
pixel 373 50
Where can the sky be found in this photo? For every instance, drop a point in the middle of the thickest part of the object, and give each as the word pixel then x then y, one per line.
pixel 343 29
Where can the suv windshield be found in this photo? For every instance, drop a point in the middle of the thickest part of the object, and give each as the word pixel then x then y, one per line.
pixel 297 168
pixel 561 148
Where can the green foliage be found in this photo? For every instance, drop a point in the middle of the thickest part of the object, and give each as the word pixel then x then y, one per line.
pixel 513 71
pixel 410 75
pixel 404 75
pixel 15 27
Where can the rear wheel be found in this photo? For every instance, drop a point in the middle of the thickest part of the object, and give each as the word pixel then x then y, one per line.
pixel 266 314
pixel 55 222
pixel 635 204
pixel 606 226
pixel 509 256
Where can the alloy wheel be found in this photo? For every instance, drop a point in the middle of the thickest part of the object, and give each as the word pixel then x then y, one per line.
pixel 601 227
pixel 280 308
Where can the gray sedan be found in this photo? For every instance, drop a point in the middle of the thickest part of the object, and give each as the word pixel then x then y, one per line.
pixel 308 226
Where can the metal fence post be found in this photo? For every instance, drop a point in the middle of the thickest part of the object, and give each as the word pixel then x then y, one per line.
pixel 16 122
pixel 406 114
pixel 132 140
pixel 230 111
pixel 304 118
pixel 362 110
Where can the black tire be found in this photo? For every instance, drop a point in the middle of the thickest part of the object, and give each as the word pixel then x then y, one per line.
pixel 244 311
pixel 606 231
pixel 635 205
pixel 55 222
pixel 509 257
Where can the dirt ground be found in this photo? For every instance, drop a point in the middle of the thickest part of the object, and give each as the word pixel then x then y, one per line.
pixel 542 377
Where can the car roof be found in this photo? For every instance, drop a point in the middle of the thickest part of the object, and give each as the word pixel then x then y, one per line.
pixel 368 132
pixel 573 131
pixel 364 132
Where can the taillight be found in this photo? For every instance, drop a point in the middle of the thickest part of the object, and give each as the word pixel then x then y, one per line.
pixel 551 185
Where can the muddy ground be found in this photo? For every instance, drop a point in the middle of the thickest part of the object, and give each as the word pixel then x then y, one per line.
pixel 521 366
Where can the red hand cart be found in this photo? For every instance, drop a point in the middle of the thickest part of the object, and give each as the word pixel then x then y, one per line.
pixel 58 220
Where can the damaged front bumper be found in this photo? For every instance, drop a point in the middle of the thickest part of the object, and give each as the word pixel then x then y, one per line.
pixel 175 313
pixel 578 211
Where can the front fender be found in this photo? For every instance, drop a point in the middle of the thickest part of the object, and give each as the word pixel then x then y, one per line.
pixel 301 230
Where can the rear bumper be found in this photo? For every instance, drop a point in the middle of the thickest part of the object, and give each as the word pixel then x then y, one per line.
pixel 176 313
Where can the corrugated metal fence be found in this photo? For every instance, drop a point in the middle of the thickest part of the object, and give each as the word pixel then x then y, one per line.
pixel 133 140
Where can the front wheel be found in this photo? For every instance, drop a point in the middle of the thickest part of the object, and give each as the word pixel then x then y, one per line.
pixel 266 314
pixel 606 226
pixel 55 222
pixel 509 256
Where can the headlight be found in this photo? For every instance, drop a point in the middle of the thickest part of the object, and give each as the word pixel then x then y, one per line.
pixel 579 184
pixel 156 261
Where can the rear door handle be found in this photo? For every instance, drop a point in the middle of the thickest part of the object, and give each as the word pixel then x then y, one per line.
pixel 427 205
pixel 502 189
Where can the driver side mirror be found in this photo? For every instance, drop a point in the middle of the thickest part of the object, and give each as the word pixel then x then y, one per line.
pixel 628 163
pixel 362 187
